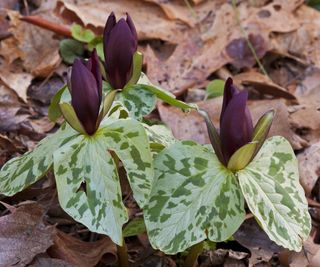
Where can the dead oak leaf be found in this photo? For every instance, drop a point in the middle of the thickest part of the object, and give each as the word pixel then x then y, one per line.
pixel 36 47
pixel 23 235
pixel 80 253
pixel 149 19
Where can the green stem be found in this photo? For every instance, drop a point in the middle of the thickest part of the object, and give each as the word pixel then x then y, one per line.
pixel 193 254
pixel 123 255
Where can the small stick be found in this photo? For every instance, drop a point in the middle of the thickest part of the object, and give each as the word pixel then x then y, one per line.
pixel 48 25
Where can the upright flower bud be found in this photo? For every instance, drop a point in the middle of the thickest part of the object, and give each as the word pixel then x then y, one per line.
pixel 120 44
pixel 238 142
pixel 86 92
pixel 236 126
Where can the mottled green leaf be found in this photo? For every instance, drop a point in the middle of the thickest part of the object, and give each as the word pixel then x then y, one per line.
pixel 20 172
pixel 128 139
pixel 138 101
pixel 135 227
pixel 270 184
pixel 88 185
pixel 193 197
pixel 159 134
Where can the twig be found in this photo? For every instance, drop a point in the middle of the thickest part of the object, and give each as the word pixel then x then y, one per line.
pixel 253 51
pixel 48 25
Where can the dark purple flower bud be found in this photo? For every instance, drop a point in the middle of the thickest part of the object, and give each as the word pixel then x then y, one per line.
pixel 86 91
pixel 120 43
pixel 236 126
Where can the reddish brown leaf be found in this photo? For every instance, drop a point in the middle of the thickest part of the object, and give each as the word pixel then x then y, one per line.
pixel 23 235
pixel 80 253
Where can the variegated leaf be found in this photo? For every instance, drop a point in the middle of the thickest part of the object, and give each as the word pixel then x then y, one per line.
pixel 128 139
pixel 193 197
pixel 159 134
pixel 88 185
pixel 138 101
pixel 20 172
pixel 270 184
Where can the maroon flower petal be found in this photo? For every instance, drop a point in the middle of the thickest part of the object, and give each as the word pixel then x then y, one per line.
pixel 236 125
pixel 133 29
pixel 229 91
pixel 94 66
pixel 85 96
pixel 119 50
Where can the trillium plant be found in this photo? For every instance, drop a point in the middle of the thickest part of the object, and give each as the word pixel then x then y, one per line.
pixel 203 194
pixel 186 197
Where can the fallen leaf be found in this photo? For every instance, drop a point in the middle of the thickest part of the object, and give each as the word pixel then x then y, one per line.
pixel 80 253
pixel 149 19
pixel 191 15
pixel 309 167
pixel 23 235
pixel 251 236
pixel 16 79
pixel 241 54
pixel 49 262
pixel 262 84
pixel 36 47
pixel 305 257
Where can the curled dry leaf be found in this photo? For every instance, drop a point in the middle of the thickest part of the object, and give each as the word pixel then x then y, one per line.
pixel 262 84
pixel 191 126
pixel 23 235
pixel 80 253
pixel 149 19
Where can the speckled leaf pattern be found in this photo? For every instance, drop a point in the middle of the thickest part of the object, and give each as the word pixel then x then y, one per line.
pixel 20 172
pixel 87 178
pixel 88 186
pixel 128 139
pixel 193 194
pixel 270 184
pixel 138 101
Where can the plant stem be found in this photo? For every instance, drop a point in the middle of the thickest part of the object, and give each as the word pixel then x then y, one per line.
pixel 123 255
pixel 193 254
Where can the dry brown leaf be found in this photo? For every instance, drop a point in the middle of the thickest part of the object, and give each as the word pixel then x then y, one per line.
pixel 49 262
pixel 251 236
pixel 303 258
pixel 177 9
pixel 36 47
pixel 204 52
pixel 80 253
pixel 309 167
pixel 149 19
pixel 262 84
pixel 23 235
pixel 306 117
pixel 17 80
pixel 191 126
pixel 303 42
